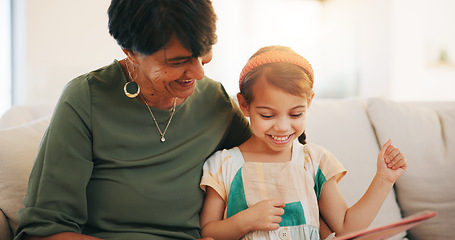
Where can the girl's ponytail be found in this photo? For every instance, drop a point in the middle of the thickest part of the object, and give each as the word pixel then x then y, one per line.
pixel 302 138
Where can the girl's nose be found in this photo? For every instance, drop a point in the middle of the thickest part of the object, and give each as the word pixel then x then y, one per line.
pixel 282 124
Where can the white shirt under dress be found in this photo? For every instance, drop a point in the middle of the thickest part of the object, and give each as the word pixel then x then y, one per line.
pixel 298 182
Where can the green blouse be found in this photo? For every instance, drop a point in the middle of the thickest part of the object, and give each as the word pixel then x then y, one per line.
pixel 101 169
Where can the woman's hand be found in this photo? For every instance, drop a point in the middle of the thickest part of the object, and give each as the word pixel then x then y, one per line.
pixel 265 215
pixel 391 162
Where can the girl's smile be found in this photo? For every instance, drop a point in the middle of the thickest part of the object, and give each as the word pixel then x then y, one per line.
pixel 281 139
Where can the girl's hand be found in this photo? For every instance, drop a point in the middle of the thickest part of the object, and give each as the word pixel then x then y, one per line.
pixel 266 215
pixel 391 162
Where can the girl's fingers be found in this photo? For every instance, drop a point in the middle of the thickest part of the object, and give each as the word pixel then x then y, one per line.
pixel 274 226
pixel 392 155
pixel 279 203
pixel 398 162
pixel 388 150
pixel 385 147
pixel 277 219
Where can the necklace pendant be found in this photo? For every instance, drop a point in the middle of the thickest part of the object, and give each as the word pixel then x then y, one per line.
pixel 162 139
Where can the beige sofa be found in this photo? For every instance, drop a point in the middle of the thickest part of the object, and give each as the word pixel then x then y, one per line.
pixel 352 129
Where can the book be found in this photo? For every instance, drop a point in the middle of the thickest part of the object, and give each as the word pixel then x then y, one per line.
pixel 389 230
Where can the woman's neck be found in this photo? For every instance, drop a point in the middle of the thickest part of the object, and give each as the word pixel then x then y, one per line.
pixel 159 101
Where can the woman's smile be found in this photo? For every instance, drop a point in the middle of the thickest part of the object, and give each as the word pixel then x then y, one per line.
pixel 186 82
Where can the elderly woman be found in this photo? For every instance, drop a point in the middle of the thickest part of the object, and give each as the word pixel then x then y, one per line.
pixel 123 155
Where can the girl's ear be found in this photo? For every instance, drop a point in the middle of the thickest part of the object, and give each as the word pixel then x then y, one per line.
pixel 243 105
pixel 310 99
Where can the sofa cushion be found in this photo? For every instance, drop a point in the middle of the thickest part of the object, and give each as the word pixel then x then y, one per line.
pixel 19 146
pixel 23 114
pixel 447 119
pixel 343 127
pixel 427 138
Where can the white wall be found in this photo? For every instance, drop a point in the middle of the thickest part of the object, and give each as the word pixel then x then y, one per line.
pixel 419 35
pixel 357 47
pixel 399 46
pixel 64 39
pixel 245 26
pixel 366 25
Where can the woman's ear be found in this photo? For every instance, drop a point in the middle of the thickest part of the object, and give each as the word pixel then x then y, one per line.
pixel 130 55
pixel 243 105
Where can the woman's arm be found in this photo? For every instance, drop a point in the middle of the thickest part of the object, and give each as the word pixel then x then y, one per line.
pixel 264 216
pixel 73 236
pixel 341 219
pixel 64 236
pixel 56 199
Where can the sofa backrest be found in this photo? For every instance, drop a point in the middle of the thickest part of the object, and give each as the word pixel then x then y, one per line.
pixel 343 127
pixel 425 132
pixel 23 114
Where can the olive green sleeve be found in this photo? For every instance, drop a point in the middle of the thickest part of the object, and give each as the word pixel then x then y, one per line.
pixel 56 196
pixel 239 130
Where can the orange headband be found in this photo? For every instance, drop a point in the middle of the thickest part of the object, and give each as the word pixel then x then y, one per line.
pixel 274 57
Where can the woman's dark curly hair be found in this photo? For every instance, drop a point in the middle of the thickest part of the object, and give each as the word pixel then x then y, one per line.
pixel 145 26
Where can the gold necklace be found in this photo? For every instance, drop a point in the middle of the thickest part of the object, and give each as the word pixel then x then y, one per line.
pixel 162 139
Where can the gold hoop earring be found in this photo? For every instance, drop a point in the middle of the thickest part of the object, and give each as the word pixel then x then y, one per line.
pixel 131 88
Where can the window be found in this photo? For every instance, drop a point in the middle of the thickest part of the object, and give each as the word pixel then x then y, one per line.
pixel 6 56
pixel 244 26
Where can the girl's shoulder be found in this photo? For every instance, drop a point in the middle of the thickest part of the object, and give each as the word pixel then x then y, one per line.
pixel 307 148
pixel 316 150
pixel 318 158
pixel 311 153
pixel 231 156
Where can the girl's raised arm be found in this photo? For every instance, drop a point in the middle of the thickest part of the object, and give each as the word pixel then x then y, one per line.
pixel 391 164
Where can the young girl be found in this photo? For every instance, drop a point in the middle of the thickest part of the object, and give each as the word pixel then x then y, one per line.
pixel 273 187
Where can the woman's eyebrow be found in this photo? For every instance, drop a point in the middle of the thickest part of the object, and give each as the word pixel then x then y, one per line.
pixel 179 58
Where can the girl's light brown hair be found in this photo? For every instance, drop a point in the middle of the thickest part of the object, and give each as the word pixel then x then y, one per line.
pixel 287 76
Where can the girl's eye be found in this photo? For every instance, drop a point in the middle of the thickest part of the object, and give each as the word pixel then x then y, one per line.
pixel 296 115
pixel 266 116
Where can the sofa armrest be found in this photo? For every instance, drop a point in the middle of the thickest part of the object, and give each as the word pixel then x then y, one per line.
pixel 5 230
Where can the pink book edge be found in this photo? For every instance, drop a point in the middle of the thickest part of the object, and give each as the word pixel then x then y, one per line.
pixel 389 230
